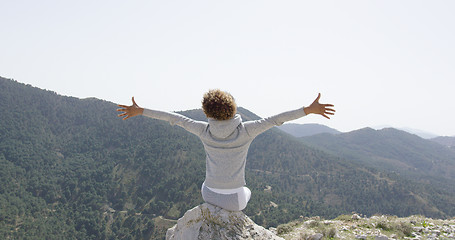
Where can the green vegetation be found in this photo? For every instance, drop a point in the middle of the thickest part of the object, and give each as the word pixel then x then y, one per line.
pixel 391 150
pixel 71 169
pixel 288 227
pixel 347 227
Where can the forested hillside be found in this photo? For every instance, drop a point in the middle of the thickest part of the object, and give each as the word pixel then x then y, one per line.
pixel 71 169
pixel 390 149
pixel 446 141
pixel 413 158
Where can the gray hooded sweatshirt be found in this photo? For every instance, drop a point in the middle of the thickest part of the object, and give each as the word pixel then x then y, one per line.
pixel 226 142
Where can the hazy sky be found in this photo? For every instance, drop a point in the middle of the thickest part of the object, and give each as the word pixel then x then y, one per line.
pixel 387 62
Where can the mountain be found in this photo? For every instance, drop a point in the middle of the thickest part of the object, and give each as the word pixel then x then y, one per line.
pixel 390 149
pixel 303 130
pixel 420 133
pixel 70 168
pixel 446 141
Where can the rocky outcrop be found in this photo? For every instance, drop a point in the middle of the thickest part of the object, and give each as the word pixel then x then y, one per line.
pixel 380 227
pixel 210 222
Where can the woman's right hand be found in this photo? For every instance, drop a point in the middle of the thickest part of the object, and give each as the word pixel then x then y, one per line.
pixel 130 111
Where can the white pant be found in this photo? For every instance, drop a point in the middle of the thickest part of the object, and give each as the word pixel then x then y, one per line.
pixel 229 199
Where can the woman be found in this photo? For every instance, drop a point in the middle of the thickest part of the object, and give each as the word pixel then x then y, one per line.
pixel 226 140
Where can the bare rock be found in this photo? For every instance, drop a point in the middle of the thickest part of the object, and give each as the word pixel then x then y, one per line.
pixel 355 216
pixel 317 236
pixel 381 237
pixel 210 222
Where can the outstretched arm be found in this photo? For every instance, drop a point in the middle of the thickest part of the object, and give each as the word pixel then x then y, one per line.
pixel 317 108
pixel 256 127
pixel 195 127
pixel 130 111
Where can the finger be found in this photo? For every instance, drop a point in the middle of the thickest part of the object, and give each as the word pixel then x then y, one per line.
pixel 328 105
pixel 123 114
pixel 134 102
pixel 319 96
pixel 122 106
pixel 121 109
pixel 325 116
pixel 329 109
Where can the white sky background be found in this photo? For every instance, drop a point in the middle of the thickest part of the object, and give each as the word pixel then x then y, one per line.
pixel 387 62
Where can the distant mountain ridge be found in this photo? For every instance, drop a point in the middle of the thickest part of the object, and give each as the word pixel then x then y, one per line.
pixel 446 141
pixel 394 151
pixel 309 129
pixel 418 132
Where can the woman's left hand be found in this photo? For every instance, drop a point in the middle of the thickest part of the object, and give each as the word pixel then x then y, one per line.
pixel 322 109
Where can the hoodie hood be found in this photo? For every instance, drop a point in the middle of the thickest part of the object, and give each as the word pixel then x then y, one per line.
pixel 224 128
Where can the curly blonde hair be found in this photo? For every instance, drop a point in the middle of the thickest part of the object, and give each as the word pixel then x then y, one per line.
pixel 219 105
